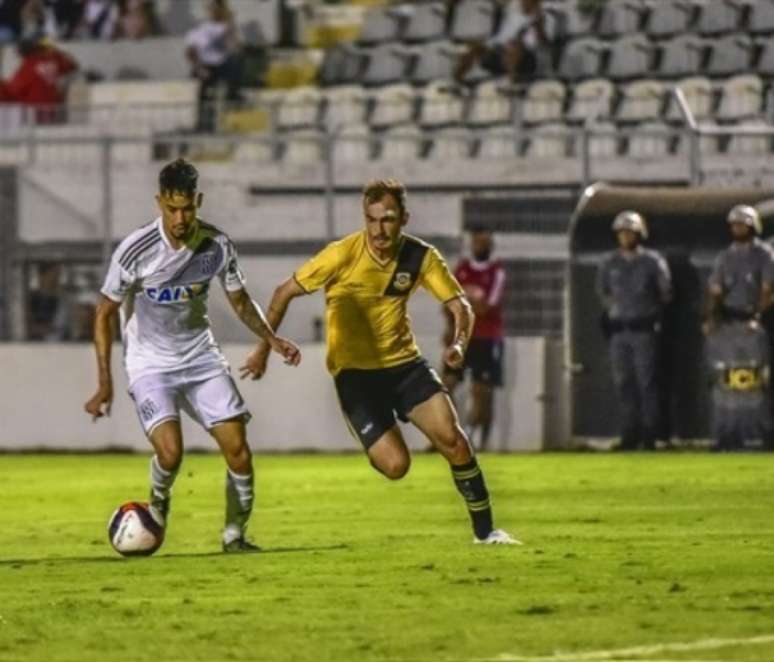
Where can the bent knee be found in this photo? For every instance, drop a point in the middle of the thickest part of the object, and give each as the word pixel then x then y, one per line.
pixel 395 468
pixel 239 459
pixel 170 456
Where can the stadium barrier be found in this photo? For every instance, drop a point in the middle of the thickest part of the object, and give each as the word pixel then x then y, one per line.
pixel 43 388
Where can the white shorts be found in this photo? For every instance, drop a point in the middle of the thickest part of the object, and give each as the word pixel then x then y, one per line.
pixel 208 400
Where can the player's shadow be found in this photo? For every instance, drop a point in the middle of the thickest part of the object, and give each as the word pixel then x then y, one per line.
pixel 18 564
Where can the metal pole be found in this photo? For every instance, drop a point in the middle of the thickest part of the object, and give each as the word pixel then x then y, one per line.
pixel 329 141
pixel 107 200
pixel 694 152
pixel 586 154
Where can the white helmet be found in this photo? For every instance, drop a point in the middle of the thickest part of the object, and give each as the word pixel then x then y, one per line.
pixel 747 215
pixel 631 220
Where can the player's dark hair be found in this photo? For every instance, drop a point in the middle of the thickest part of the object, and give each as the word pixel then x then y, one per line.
pixel 179 176
pixel 376 189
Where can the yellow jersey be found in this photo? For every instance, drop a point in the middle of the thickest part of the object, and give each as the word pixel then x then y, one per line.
pixel 368 326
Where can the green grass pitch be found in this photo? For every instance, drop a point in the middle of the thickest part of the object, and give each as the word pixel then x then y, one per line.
pixel 658 557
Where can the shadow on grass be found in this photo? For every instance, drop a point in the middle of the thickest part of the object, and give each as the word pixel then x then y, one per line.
pixel 17 564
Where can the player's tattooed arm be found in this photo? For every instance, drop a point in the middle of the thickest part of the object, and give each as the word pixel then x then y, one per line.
pixel 252 316
pixel 105 327
pixel 255 366
pixel 464 319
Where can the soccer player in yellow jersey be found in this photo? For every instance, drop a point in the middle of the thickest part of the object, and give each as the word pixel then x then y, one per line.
pixel 379 373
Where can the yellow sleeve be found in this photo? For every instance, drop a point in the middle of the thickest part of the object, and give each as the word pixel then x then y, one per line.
pixel 318 271
pixel 437 279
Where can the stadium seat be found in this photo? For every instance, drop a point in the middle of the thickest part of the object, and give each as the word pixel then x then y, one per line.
pixel 751 145
pixel 341 65
pixel 591 98
pixel 741 98
pixel 682 56
pixel 491 104
pixel 499 142
pixel 544 102
pixel 582 58
pixel 571 21
pixel 426 21
pixel 385 63
pixel 401 143
pixel 300 107
pixel 620 17
pixel 548 141
pixel 435 60
pixel 346 104
pixel 394 104
pixel 698 95
pixel 720 16
pixel 353 144
pixel 439 106
pixel 303 146
pixel 708 145
pixel 731 54
pixel 667 19
pixel 761 17
pixel 641 100
pixel 650 140
pixel 254 151
pixel 765 66
pixel 382 24
pixel 473 20
pixel 451 143
pixel 630 57
pixel 603 142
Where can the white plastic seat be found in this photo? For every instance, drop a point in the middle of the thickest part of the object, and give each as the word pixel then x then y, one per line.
pixel 641 100
pixel 591 98
pixel 490 105
pixel 303 146
pixel 451 144
pixel 603 141
pixel 473 20
pixel 573 23
pixel 381 24
pixel 741 97
pixel 353 144
pixel 751 145
pixel 719 17
pixel 401 143
pixel 435 61
pixel 630 57
pixel 651 140
pixel 300 106
pixel 344 105
pixel 697 91
pixel 254 151
pixel 548 141
pixel 620 17
pixel 426 21
pixel 682 56
pixel 582 58
pixel 667 19
pixel 499 142
pixel 544 102
pixel 708 145
pixel 731 54
pixel 385 63
pixel 439 106
pixel 761 17
pixel 393 105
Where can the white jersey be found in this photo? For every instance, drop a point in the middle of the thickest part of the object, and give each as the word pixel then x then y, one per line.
pixel 164 318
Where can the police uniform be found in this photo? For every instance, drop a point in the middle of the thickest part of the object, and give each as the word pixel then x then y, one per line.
pixel 740 272
pixel 637 287
pixel 372 353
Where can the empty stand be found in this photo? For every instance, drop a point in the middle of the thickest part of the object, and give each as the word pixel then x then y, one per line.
pixel 473 20
pixel 544 102
pixel 440 106
pixel 741 98
pixel 621 17
pixel 641 100
pixel 491 104
pixel 591 98
pixel 426 21
pixel 394 104
pixel 630 57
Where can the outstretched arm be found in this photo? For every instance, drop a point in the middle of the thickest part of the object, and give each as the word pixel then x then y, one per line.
pixel 253 318
pixel 464 319
pixel 105 324
pixel 255 366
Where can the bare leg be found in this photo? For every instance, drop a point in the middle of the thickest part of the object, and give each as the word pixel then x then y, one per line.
pixel 167 440
pixel 389 455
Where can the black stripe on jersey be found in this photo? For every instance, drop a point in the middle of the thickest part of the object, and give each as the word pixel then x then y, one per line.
pixel 410 259
pixel 138 248
pixel 136 243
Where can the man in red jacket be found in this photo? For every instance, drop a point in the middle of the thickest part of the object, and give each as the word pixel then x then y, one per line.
pixel 41 79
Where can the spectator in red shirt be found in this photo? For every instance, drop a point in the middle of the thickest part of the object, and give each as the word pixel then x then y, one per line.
pixel 41 79
pixel 483 280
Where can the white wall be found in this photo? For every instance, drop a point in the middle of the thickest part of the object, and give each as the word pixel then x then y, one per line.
pixel 43 388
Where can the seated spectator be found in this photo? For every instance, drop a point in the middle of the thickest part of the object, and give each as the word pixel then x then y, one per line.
pixel 46 314
pixel 10 20
pixel 64 17
pixel 137 19
pixel 100 19
pixel 41 80
pixel 513 49
pixel 214 52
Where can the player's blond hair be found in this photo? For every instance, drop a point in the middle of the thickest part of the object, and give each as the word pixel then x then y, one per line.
pixel 376 189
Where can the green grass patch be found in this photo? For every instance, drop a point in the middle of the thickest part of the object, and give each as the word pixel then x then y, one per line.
pixel 621 552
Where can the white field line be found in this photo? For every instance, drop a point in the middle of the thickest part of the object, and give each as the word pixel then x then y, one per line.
pixel 620 654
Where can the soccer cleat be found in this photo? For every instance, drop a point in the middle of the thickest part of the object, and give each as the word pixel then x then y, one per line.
pixel 159 509
pixel 240 545
pixel 497 537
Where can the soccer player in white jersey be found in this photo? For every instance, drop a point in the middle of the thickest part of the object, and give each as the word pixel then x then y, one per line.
pixel 159 278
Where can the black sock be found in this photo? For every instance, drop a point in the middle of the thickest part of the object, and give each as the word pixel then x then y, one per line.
pixel 470 484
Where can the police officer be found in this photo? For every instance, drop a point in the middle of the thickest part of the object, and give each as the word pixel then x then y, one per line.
pixel 740 289
pixel 634 285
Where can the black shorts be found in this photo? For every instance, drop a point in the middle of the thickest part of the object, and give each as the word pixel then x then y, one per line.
pixel 484 359
pixel 371 399
pixel 493 61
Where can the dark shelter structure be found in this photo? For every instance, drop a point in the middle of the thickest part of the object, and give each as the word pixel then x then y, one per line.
pixel 688 225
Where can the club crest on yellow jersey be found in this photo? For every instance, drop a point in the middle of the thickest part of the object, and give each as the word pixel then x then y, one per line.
pixel 402 281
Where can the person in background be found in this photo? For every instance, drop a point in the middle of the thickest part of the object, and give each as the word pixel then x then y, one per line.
pixel 10 20
pixel 99 20
pixel 513 50
pixel 137 20
pixel 41 80
pixel 213 49
pixel 46 314
pixel 483 280
pixel 634 285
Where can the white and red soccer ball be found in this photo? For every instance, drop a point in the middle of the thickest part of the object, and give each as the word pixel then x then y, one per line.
pixel 133 531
